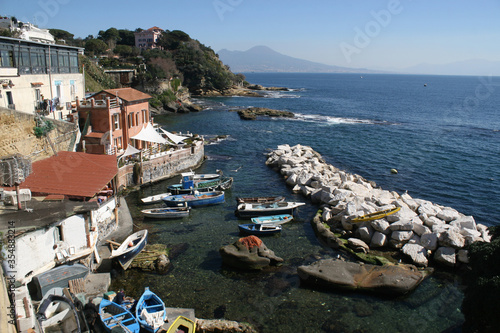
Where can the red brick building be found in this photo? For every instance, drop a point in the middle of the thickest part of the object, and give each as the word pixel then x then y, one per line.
pixel 110 118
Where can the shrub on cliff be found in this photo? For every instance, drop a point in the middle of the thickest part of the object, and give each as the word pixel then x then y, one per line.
pixel 481 303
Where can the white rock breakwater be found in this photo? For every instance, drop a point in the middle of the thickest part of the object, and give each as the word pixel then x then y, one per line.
pixel 421 229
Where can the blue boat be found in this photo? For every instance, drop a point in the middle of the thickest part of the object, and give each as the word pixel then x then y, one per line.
pixel 114 315
pixel 188 185
pixel 196 199
pixel 150 311
pixel 130 248
pixel 259 229
pixel 272 220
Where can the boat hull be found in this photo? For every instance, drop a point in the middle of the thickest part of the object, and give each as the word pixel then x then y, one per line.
pixel 114 315
pixel 261 200
pixel 272 220
pixel 155 198
pixel 150 311
pixel 58 314
pixel 125 254
pixel 166 213
pixel 182 324
pixel 259 229
pixel 195 200
pixel 256 210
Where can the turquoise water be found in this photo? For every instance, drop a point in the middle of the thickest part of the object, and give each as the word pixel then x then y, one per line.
pixel 443 138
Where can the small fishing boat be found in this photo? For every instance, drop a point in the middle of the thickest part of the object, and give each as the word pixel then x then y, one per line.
pixel 130 248
pixel 57 277
pixel 196 199
pixel 150 311
pixel 219 184
pixel 259 229
pixel 114 315
pixel 241 200
pixel 57 313
pixel 155 198
pixel 247 210
pixel 274 219
pixel 376 215
pixel 182 325
pixel 166 213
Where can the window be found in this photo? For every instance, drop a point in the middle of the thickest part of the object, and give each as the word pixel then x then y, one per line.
pixel 137 119
pixel 118 142
pixel 116 121
pixel 130 119
pixel 58 234
pixel 144 116
pixel 72 89
pixel 38 95
pixel 6 58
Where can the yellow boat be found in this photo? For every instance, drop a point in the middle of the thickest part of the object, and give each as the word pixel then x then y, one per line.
pixel 376 215
pixel 182 324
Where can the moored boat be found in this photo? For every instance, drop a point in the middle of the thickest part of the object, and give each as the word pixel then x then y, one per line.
pixel 130 248
pixel 58 314
pixel 114 315
pixel 155 198
pixel 195 200
pixel 150 311
pixel 259 229
pixel 166 213
pixel 246 210
pixel 272 199
pixel 376 215
pixel 219 184
pixel 273 219
pixel 182 325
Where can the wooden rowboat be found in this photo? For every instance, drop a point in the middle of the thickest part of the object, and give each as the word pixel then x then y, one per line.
pixel 241 200
pixel 259 229
pixel 376 215
pixel 182 324
pixel 166 213
pixel 150 311
pixel 272 220
pixel 115 316
pixel 157 198
pixel 130 248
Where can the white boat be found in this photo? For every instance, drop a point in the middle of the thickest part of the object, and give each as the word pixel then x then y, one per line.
pixel 272 220
pixel 58 314
pixel 247 210
pixel 166 213
pixel 130 247
pixel 157 198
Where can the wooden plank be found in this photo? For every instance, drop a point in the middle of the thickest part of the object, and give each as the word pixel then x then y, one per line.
pixel 112 242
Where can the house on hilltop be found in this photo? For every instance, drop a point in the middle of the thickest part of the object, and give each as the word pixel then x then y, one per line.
pixel 146 39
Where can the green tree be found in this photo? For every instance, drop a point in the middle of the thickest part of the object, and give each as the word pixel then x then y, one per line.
pixel 61 34
pixel 110 36
pixel 95 47
pixel 123 50
pixel 127 37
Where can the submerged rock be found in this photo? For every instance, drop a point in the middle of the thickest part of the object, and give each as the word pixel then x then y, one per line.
pixel 248 253
pixel 387 279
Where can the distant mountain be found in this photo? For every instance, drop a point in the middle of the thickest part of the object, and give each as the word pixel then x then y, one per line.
pixel 264 59
pixel 466 67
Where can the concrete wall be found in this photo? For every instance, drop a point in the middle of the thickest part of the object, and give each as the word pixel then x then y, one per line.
pixel 164 167
pixel 104 218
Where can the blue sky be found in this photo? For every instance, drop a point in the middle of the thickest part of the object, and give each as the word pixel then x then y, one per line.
pixel 364 34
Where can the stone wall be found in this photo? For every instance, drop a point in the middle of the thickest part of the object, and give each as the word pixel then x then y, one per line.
pixel 16 136
pixel 164 166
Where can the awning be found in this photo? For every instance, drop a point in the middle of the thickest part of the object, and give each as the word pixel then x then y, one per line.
pixel 131 150
pixel 175 138
pixel 149 134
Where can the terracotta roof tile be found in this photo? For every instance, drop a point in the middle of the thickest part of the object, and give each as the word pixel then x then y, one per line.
pixel 128 94
pixel 72 174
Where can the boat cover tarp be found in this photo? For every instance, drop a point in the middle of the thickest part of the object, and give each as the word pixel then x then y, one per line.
pixel 174 137
pixel 149 134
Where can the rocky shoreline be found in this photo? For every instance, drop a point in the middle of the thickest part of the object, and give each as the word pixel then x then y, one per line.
pixel 253 90
pixel 421 231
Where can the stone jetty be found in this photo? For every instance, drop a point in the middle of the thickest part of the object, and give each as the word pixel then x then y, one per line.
pixel 421 230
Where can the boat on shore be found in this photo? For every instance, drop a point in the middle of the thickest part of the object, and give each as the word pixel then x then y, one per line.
pixel 182 325
pixel 196 199
pixel 57 313
pixel 114 315
pixel 155 198
pixel 150 311
pixel 57 277
pixel 376 215
pixel 130 248
pixel 246 210
pixel 166 213
pixel 273 219
pixel 240 200
pixel 259 229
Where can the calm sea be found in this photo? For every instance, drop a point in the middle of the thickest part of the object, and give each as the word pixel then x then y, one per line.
pixel 440 132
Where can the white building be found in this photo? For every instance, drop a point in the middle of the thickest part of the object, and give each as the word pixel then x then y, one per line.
pixel 39 77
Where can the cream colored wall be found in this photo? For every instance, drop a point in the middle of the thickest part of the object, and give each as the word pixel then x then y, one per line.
pixel 23 93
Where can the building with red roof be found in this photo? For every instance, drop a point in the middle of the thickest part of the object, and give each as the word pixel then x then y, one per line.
pixel 146 39
pixel 109 119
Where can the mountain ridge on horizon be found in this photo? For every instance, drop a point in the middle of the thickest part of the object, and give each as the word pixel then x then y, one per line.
pixel 262 58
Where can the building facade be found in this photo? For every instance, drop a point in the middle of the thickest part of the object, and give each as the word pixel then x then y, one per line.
pixel 39 77
pixel 110 118
pixel 146 39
